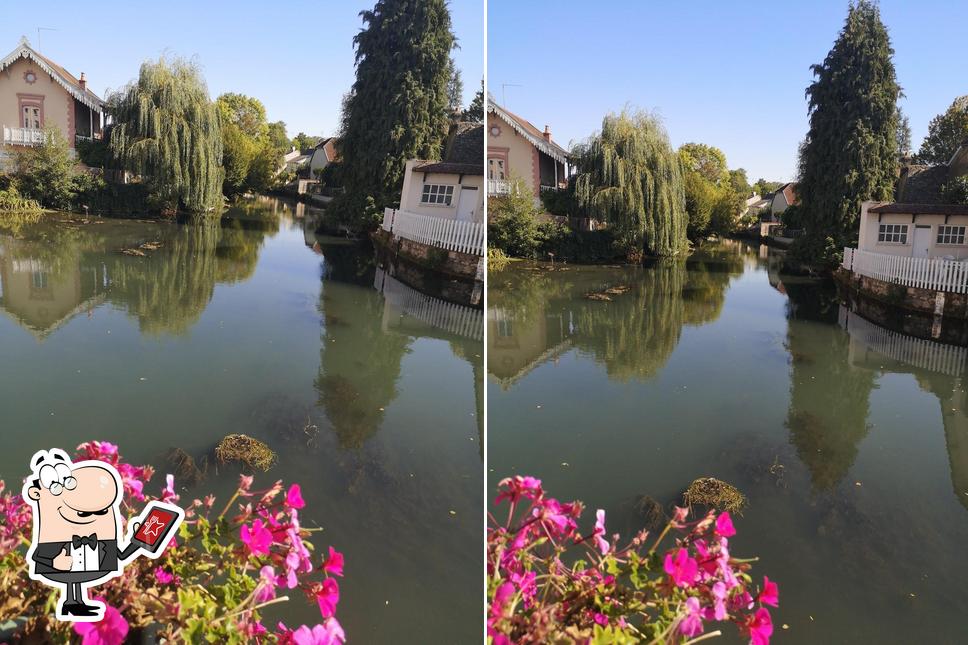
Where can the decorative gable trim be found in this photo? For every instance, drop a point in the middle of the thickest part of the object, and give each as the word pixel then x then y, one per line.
pixel 550 149
pixel 24 50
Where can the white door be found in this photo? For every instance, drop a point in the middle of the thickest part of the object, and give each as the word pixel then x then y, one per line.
pixel 467 203
pixel 922 241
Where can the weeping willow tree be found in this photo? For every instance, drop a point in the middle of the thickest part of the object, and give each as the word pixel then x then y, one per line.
pixel 630 177
pixel 169 132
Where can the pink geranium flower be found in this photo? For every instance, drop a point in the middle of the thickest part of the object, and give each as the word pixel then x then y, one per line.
pixel 257 538
pixel 724 525
pixel 268 581
pixel 770 594
pixel 294 497
pixel 691 625
pixel 760 627
pixel 327 596
pixel 600 540
pixel 682 568
pixel 110 630
pixel 334 563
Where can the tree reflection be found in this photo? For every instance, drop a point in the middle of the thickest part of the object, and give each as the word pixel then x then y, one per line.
pixel 359 363
pixel 51 271
pixel 537 311
pixel 827 415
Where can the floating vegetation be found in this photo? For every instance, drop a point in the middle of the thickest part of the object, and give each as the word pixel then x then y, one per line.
pixel 141 248
pixel 134 252
pixel 714 493
pixel 652 513
pixel 240 447
pixel 618 290
pixel 184 468
pixel 594 295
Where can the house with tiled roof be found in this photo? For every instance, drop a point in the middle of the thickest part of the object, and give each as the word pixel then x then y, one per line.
pixel 323 154
pixel 36 92
pixel 519 151
pixel 784 197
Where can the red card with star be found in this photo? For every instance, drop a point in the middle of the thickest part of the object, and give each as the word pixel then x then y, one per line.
pixel 157 523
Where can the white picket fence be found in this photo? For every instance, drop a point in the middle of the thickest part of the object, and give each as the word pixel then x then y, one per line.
pixel 936 274
pixel 459 320
pixel 919 352
pixel 450 234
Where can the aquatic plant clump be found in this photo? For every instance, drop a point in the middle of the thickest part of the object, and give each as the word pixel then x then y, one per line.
pixel 549 582
pixel 714 493
pixel 211 584
pixel 251 452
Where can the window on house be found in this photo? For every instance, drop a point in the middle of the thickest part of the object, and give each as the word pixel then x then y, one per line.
pixel 951 234
pixel 495 169
pixel 442 194
pixel 32 117
pixel 39 279
pixel 892 233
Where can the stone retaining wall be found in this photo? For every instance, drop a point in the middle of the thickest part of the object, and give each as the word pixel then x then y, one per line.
pixel 464 266
pixel 923 301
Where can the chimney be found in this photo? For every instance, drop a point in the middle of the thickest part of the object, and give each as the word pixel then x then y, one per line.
pixel 547 133
pixel 83 82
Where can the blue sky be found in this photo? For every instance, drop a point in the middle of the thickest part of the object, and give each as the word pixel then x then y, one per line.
pixel 730 74
pixel 295 56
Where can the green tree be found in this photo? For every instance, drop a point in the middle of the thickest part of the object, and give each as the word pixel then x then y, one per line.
pixel 303 141
pixel 475 111
pixel 850 152
pixel 701 195
pixel 708 161
pixel 45 173
pixel 739 182
pixel 278 137
pixel 248 113
pixel 630 177
pixel 763 187
pixel 455 89
pixel 946 132
pixel 238 152
pixel 168 131
pixel 903 134
pixel 397 107
pixel 514 222
pixel 726 211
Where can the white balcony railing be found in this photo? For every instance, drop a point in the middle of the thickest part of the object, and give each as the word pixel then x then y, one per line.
pixel 498 187
pixel 450 234
pixel 22 136
pixel 936 274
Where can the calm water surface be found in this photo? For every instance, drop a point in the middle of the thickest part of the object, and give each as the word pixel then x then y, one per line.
pixel 255 325
pixel 850 442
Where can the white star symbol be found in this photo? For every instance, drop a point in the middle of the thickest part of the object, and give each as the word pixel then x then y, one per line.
pixel 153 526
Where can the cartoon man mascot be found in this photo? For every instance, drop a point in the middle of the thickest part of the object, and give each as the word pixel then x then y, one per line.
pixel 77 521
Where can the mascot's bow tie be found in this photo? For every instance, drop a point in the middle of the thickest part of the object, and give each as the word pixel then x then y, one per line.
pixel 90 540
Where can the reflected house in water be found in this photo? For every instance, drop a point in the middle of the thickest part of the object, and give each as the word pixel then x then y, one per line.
pixel 513 350
pixel 939 368
pixel 42 294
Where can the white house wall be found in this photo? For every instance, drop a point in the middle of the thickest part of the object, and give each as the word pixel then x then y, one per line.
pixel 869 227
pixel 413 184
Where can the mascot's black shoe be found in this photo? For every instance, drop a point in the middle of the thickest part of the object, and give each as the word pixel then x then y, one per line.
pixel 77 609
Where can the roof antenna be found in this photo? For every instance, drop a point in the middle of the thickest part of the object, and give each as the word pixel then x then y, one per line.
pixel 504 102
pixel 40 29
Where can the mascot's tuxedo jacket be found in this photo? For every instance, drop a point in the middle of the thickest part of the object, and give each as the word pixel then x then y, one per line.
pixel 107 551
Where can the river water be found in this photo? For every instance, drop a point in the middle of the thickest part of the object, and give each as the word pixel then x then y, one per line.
pixel 256 325
pixel 850 441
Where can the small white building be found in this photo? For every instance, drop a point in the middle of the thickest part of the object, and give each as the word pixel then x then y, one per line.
pixel 442 202
pixel 784 197
pixel 914 230
pixel 322 155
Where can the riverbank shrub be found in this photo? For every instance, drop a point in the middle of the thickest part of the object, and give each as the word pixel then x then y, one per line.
pixel 11 201
pixel 211 584
pixel 496 259
pixel 549 582
pixel 513 226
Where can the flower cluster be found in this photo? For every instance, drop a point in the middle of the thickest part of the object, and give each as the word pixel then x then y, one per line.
pixel 211 583
pixel 549 582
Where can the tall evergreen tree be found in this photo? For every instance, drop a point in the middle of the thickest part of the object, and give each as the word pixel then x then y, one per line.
pixel 397 108
pixel 455 89
pixel 630 177
pixel 475 111
pixel 167 130
pixel 850 152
